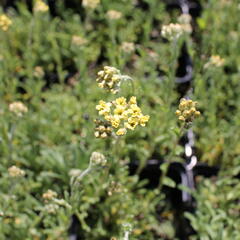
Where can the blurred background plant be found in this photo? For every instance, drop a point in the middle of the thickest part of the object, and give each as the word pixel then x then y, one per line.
pixel 50 53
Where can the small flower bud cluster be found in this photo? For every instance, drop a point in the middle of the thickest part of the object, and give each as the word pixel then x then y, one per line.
pixel 103 129
pixel 122 115
pixel 215 61
pixel 52 202
pixel 51 208
pixel 110 79
pixel 114 15
pixel 98 159
pixel 185 21
pixel 49 195
pixel 128 47
pixel 90 3
pixel 15 172
pixel 187 111
pixel 40 6
pixel 172 31
pixel 5 22
pixel 114 187
pixel 38 72
pixel 18 108
pixel 78 40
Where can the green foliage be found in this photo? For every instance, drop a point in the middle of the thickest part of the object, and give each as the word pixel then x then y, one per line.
pixel 50 64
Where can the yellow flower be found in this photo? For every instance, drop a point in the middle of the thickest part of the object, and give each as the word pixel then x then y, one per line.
pixel 144 120
pixel 133 100
pixel 121 131
pixel 121 101
pixel 103 107
pixel 5 22
pixel 135 109
pixel 115 122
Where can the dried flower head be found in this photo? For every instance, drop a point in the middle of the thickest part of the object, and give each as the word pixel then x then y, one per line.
pixel 49 195
pixel 103 129
pixel 122 115
pixel 18 108
pixel 16 172
pixel 78 40
pixel 98 159
pixel 40 6
pixel 5 22
pixel 114 187
pixel 90 3
pixel 187 111
pixel 128 47
pixel 113 14
pixel 110 79
pixel 215 61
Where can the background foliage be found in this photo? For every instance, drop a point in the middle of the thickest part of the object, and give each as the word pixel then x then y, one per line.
pixel 42 66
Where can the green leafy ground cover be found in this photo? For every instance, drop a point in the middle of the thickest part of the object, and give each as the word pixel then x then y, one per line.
pixel 51 63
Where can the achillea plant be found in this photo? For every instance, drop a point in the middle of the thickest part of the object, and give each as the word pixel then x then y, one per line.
pixel 122 115
pixel 187 111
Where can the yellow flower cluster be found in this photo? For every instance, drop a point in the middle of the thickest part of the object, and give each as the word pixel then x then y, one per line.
pixel 5 22
pixel 110 79
pixel 40 6
pixel 18 108
pixel 15 172
pixel 122 115
pixel 90 3
pixel 187 111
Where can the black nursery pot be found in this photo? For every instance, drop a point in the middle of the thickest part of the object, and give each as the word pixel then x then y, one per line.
pixel 193 7
pixel 176 171
pixel 184 74
pixel 204 170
